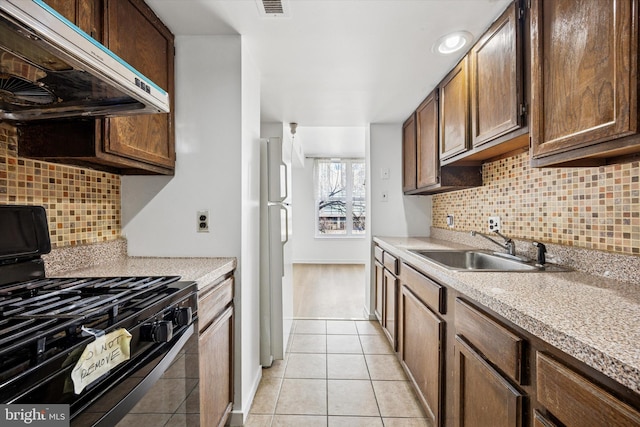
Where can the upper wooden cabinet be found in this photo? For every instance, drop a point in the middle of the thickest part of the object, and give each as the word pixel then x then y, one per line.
pixel 86 14
pixel 127 145
pixel 422 167
pixel 148 138
pixel 584 73
pixel 454 111
pixel 497 98
pixel 427 142
pixel 409 162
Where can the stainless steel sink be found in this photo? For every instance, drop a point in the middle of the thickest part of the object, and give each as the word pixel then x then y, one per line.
pixel 475 260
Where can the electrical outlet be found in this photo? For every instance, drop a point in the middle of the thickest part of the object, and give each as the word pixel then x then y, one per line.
pixel 494 223
pixel 450 220
pixel 202 221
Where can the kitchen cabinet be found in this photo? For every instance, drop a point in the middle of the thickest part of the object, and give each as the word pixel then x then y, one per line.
pixel 422 171
pixel 483 396
pixel 86 14
pixel 497 87
pixel 487 358
pixel 469 366
pixel 409 159
pixel 454 111
pixel 127 145
pixel 575 400
pixel 421 342
pixel 379 283
pixel 427 170
pixel 584 73
pixel 215 348
pixel 390 298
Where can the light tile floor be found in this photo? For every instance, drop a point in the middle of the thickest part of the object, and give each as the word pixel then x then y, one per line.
pixel 337 373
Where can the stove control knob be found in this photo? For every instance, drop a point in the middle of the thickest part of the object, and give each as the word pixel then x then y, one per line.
pixel 182 316
pixel 157 332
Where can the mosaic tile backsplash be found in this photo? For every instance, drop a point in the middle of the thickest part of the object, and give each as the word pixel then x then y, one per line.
pixel 594 208
pixel 83 205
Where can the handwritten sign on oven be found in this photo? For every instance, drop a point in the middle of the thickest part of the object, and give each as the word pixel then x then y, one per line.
pixel 99 357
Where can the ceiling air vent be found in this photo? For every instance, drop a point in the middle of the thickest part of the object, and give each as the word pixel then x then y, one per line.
pixel 274 8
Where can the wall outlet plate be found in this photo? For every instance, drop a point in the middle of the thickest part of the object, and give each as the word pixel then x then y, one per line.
pixel 202 221
pixel 494 223
pixel 450 222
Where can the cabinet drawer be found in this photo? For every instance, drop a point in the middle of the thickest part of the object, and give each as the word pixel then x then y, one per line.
pixel 390 262
pixel 576 401
pixel 213 302
pixel 502 347
pixel 430 292
pixel 378 253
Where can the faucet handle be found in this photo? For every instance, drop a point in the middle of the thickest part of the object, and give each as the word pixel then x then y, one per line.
pixel 542 249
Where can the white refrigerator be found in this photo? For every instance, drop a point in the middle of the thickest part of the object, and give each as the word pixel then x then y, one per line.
pixel 276 269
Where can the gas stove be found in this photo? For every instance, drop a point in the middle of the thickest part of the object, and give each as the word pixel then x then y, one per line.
pixel 82 342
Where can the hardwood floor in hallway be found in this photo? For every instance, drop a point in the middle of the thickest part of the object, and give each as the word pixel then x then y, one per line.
pixel 328 291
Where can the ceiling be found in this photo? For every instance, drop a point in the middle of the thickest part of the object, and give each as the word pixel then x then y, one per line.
pixel 338 62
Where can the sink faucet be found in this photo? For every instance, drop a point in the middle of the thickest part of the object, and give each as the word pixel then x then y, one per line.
pixel 509 245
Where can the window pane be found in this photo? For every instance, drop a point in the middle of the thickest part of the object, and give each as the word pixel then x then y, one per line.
pixel 358 217
pixel 332 180
pixel 359 175
pixel 332 217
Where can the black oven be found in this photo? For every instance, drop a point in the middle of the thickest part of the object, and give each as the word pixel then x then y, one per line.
pixel 95 344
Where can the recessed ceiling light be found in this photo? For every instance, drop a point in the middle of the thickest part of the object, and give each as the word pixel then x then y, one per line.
pixel 452 42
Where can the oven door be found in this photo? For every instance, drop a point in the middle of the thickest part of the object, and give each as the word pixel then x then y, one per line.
pixel 131 385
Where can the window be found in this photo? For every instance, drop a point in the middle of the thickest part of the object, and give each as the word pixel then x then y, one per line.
pixel 340 197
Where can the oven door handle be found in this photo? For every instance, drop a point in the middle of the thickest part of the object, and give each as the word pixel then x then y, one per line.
pixel 125 405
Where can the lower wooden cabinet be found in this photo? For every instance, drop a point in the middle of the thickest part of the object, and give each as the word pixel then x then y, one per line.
pixel 483 397
pixel 422 352
pixel 389 324
pixel 215 352
pixel 379 289
pixel 576 401
pixel 471 367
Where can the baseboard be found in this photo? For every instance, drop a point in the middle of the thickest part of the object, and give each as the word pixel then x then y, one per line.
pixel 239 416
pixel 328 261
pixel 368 314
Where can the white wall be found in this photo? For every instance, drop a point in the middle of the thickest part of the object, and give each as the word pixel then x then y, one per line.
pixel 323 142
pixel 400 215
pixel 217 168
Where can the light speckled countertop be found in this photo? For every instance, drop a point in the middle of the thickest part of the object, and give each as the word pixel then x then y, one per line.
pixel 594 319
pixel 201 270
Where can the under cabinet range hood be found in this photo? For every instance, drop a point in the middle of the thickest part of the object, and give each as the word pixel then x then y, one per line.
pixel 49 68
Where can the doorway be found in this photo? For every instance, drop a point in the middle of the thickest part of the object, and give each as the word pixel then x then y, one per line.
pixel 328 291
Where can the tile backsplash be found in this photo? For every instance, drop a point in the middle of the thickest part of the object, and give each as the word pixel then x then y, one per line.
pixel 83 205
pixel 592 207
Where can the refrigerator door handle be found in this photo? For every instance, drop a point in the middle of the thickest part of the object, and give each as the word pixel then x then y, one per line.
pixel 286 224
pixel 286 181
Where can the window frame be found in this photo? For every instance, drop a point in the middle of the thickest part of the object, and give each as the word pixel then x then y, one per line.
pixel 348 198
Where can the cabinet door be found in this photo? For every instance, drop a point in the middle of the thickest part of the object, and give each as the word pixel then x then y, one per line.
pixel 390 307
pixel 454 112
pixel 216 370
pixel 409 154
pixel 576 401
pixel 423 352
pixel 583 73
pixel 379 290
pixel 86 14
pixel 428 167
pixel 134 33
pixel 496 79
pixel 483 397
